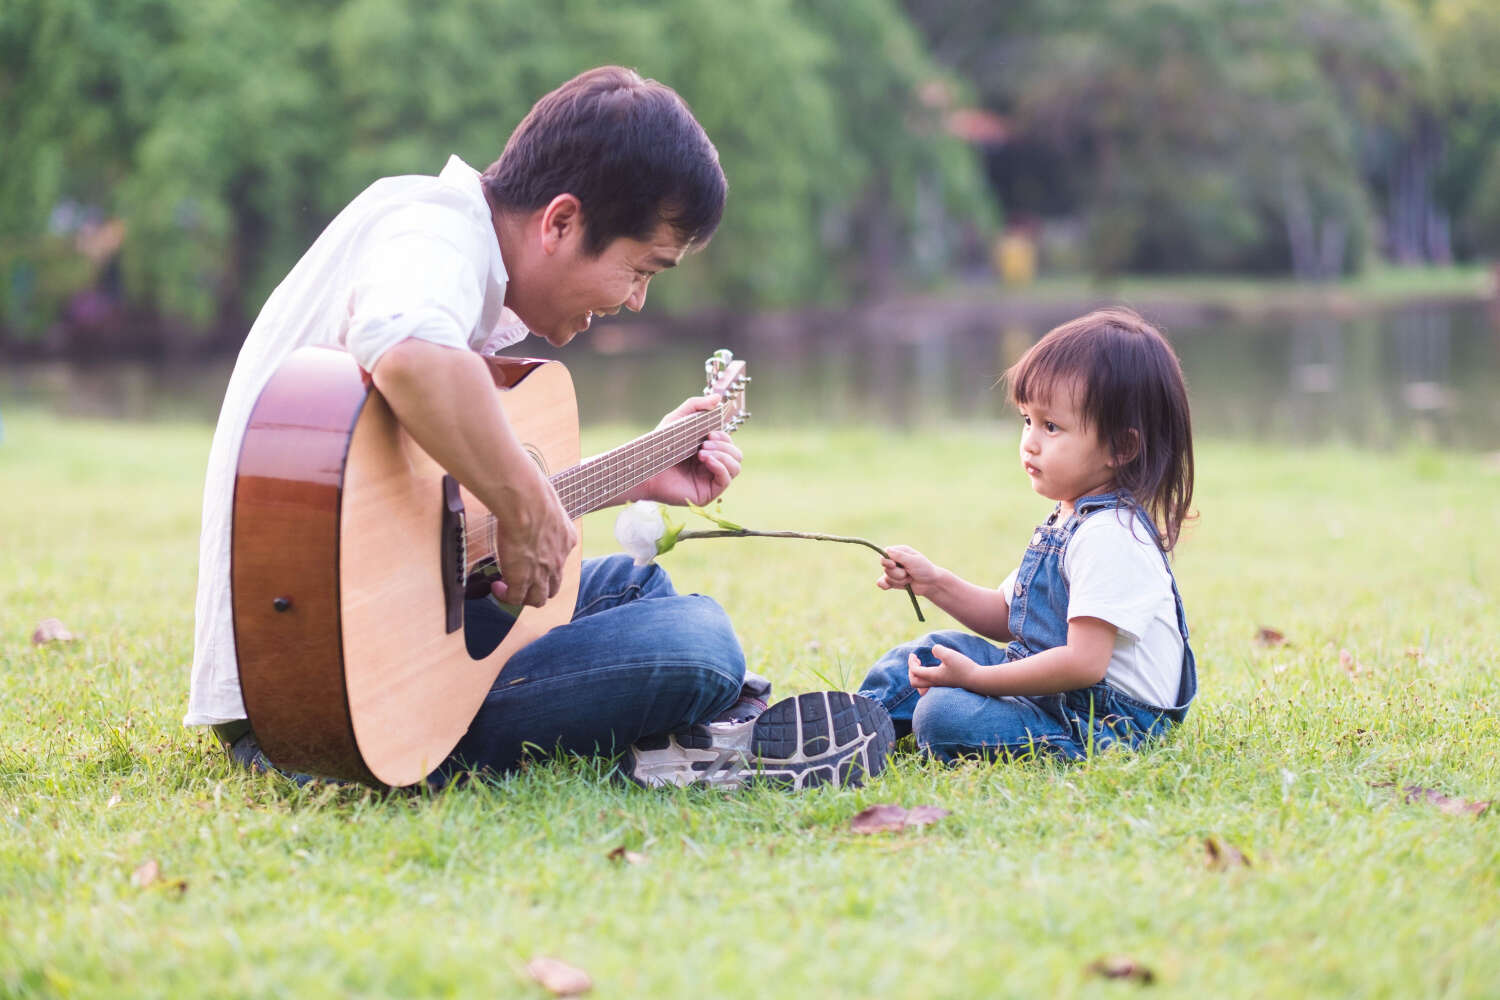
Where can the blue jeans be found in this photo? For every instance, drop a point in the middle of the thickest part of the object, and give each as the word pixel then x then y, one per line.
pixel 638 659
pixel 950 723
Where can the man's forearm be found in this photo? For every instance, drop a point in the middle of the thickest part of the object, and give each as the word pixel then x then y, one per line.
pixel 445 399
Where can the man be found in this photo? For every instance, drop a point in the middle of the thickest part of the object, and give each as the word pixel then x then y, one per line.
pixel 608 181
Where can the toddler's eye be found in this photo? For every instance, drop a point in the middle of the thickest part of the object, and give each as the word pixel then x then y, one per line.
pixel 1051 427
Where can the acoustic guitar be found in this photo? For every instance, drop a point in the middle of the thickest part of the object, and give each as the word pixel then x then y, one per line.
pixel 353 552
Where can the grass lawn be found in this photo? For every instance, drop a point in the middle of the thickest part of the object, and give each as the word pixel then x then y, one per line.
pixel 1381 570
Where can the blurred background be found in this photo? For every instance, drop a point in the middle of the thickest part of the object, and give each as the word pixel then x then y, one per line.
pixel 1305 194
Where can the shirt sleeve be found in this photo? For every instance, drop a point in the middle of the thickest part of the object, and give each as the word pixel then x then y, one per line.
pixel 1008 587
pixel 1115 575
pixel 416 278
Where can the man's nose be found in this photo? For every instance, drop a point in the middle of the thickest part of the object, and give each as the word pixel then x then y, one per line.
pixel 637 300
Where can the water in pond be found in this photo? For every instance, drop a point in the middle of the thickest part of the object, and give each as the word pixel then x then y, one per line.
pixel 1426 374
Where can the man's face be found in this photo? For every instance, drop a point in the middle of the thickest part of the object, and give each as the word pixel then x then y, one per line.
pixel 582 287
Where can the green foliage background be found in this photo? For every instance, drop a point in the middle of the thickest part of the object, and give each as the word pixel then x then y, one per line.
pixel 1302 137
pixel 226 135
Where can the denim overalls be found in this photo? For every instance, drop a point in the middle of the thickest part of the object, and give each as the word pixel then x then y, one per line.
pixel 951 722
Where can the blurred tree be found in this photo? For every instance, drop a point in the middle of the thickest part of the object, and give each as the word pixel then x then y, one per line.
pixel 1465 103
pixel 1191 134
pixel 225 135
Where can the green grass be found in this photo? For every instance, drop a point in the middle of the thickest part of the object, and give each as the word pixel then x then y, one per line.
pixel 268 890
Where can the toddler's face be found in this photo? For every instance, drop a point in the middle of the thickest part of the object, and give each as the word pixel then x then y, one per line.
pixel 1061 454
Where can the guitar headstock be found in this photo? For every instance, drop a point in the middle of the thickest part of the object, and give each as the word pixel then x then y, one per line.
pixel 726 377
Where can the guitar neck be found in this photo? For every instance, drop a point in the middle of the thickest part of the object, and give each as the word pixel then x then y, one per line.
pixel 596 481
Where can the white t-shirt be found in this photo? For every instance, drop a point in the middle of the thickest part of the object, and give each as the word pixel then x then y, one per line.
pixel 1119 577
pixel 412 256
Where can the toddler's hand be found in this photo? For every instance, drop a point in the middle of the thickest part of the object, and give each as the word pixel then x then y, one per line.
pixel 954 669
pixel 904 567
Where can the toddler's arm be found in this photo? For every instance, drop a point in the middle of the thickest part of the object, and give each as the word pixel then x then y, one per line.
pixel 1082 661
pixel 981 609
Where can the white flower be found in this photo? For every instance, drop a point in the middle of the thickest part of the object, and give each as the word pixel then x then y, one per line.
pixel 641 528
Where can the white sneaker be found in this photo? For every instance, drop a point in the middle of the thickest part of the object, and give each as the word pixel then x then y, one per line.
pixel 827 737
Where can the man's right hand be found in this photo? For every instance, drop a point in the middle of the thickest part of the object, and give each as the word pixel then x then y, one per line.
pixel 533 539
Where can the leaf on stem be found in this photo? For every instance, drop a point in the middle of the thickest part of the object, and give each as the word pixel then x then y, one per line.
pixel 718 519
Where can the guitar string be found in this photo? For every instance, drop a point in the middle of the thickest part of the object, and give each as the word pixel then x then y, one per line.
pixel 613 472
pixel 587 486
pixel 594 481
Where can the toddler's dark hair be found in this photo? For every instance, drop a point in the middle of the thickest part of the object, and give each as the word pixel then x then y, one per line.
pixel 1132 394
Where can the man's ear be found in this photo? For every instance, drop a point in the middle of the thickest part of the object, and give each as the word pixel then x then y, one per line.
pixel 561 221
pixel 1130 449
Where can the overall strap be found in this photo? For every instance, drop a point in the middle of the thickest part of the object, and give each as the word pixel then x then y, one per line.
pixel 1087 507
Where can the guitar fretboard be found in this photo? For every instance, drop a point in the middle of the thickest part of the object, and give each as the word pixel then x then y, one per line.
pixel 594 482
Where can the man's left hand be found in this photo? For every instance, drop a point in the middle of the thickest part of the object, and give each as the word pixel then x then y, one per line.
pixel 700 478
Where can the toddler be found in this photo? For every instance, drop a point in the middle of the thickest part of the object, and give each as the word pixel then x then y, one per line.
pixel 1085 644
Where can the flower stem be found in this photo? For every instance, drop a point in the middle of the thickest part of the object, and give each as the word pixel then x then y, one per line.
pixel 748 533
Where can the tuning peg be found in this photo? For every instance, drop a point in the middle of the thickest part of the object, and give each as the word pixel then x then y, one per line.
pixel 716 363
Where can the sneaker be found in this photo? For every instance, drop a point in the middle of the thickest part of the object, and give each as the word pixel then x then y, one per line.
pixel 824 738
pixel 239 742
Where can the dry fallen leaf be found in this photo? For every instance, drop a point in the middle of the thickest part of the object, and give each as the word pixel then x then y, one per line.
pixel 1446 804
pixel 145 874
pixel 1222 855
pixel 51 630
pixel 559 978
pixel 1120 967
pixel 886 818
pixel 1268 637
pixel 630 857
pixel 114 800
pixel 878 819
pixel 922 815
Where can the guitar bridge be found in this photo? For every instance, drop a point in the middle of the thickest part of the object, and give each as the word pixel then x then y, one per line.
pixel 454 555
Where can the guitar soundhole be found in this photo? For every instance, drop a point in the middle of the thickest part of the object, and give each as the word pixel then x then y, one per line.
pixel 486 624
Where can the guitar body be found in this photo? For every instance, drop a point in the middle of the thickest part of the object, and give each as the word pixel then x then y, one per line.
pixel 343 566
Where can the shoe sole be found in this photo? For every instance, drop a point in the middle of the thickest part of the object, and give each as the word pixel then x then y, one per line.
pixel 822 738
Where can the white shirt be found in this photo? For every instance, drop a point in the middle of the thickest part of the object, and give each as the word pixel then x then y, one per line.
pixel 412 256
pixel 1118 575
